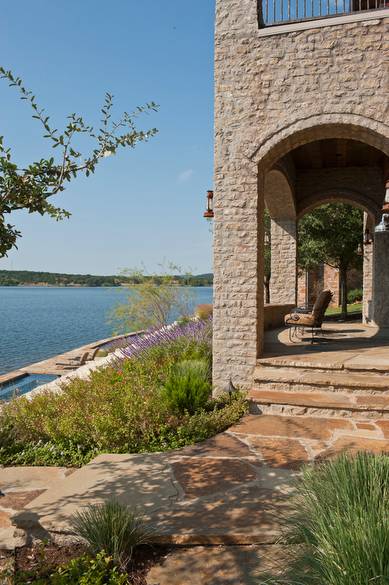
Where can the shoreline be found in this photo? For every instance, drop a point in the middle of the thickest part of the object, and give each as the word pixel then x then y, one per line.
pixel 50 365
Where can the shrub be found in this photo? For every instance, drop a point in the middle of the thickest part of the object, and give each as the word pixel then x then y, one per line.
pixel 204 311
pixel 153 300
pixel 355 296
pixel 342 520
pixel 113 528
pixel 84 571
pixel 120 409
pixel 87 571
pixel 188 387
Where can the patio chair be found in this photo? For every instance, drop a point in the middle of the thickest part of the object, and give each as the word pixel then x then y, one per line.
pixel 302 319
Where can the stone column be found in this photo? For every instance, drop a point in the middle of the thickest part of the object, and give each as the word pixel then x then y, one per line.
pixel 367 274
pixel 238 273
pixel 381 279
pixel 283 281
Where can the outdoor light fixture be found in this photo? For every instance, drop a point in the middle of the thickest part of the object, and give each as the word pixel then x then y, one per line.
pixel 208 214
pixel 367 239
pixel 383 226
pixel 267 239
pixel 360 250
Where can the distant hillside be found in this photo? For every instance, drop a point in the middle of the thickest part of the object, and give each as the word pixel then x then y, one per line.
pixel 31 278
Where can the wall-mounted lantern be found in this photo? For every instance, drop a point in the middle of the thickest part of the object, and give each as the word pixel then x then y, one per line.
pixel 383 226
pixel 208 214
pixel 367 237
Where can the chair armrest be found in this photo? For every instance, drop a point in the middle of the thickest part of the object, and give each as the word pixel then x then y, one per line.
pixel 304 310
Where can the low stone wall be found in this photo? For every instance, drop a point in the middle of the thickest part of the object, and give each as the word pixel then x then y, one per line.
pixel 274 315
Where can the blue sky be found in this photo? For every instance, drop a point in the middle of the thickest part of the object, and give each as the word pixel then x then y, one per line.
pixel 142 206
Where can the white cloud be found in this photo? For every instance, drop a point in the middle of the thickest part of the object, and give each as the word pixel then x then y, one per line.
pixel 185 176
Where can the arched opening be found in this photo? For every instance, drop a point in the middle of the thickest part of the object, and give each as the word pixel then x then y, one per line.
pixel 330 253
pixel 334 162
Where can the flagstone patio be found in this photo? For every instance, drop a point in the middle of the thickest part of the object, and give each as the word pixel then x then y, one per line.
pixel 230 493
pixel 232 489
pixel 349 345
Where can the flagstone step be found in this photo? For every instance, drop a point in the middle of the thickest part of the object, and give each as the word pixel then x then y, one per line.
pixel 322 400
pixel 291 378
pixel 320 361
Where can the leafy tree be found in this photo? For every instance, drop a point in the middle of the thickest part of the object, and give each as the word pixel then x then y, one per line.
pixel 31 187
pixel 332 234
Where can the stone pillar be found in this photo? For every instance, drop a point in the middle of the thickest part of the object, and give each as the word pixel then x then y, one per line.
pixel 302 288
pixel 367 274
pixel 238 272
pixel 381 279
pixel 283 281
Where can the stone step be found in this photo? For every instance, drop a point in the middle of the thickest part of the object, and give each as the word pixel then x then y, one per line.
pixel 344 401
pixel 300 379
pixel 322 362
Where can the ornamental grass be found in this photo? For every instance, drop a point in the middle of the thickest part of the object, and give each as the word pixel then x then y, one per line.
pixel 341 523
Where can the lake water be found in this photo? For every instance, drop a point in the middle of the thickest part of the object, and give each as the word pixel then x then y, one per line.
pixel 39 322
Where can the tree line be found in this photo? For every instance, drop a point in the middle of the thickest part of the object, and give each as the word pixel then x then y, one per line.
pixel 27 277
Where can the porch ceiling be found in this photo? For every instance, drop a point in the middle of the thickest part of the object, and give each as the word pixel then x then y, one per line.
pixel 336 153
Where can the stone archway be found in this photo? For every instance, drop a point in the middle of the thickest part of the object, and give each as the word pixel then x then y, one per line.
pixel 317 127
pixel 333 166
pixel 239 234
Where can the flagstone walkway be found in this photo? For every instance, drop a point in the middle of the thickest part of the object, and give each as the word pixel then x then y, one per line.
pixel 233 489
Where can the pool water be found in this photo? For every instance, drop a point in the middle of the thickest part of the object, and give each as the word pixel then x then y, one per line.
pixel 24 384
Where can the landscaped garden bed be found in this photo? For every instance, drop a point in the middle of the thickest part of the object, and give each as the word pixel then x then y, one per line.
pixel 157 396
pixel 45 564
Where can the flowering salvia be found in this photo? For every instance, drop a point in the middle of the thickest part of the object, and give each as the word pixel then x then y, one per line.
pixel 195 330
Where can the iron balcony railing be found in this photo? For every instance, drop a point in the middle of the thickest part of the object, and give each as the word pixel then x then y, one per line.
pixel 272 12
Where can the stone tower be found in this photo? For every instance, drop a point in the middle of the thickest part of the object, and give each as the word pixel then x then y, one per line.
pixel 301 118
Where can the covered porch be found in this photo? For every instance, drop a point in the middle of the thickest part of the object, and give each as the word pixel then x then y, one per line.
pixel 349 345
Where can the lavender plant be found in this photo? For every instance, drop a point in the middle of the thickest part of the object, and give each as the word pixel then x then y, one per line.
pixel 194 330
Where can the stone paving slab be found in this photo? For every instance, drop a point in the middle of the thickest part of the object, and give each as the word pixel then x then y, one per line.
pixel 314 428
pixel 141 481
pixel 220 565
pixel 36 478
pixel 249 515
pixel 201 494
pixel 18 487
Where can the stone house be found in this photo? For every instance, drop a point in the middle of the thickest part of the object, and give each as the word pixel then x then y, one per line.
pixel 301 118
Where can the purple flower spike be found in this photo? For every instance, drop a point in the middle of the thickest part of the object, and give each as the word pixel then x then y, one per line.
pixel 194 330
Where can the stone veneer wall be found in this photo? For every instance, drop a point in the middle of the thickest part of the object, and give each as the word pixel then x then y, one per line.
pixel 311 284
pixel 273 93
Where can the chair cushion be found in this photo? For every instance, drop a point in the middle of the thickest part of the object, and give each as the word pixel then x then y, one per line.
pixel 300 319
